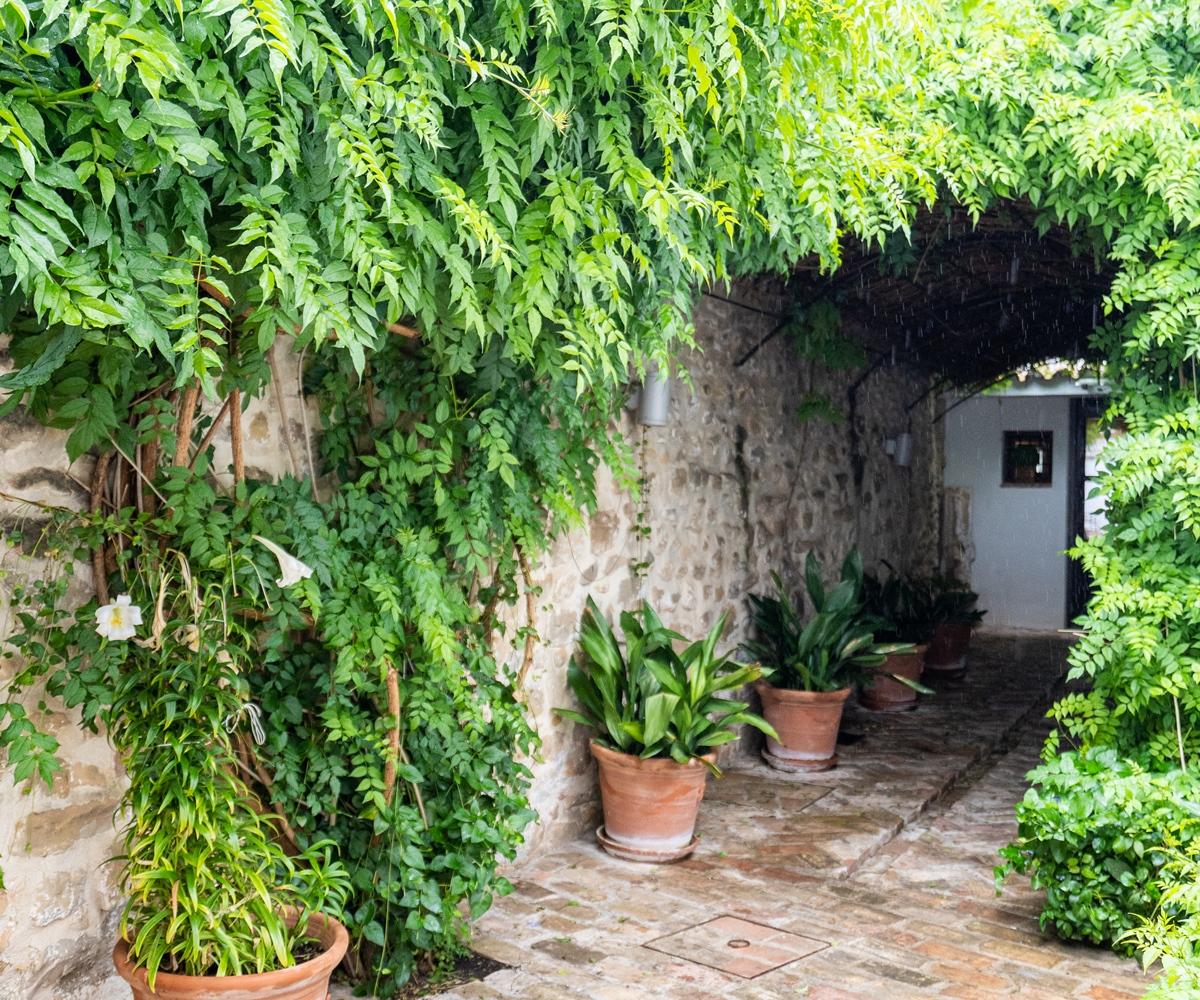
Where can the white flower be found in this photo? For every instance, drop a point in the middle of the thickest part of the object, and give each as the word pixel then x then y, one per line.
pixel 118 620
pixel 291 568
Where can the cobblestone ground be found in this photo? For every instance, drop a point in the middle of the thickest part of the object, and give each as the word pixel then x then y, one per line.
pixel 873 880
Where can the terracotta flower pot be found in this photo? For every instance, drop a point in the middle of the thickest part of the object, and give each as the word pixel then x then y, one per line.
pixel 948 650
pixel 650 806
pixel 884 693
pixel 807 723
pixel 305 981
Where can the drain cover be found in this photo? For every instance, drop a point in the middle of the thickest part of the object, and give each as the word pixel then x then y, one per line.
pixel 736 946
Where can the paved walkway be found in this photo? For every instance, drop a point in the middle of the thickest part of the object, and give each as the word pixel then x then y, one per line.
pixel 870 881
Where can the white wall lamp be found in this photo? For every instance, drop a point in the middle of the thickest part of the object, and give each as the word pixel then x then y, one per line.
pixel 900 448
pixel 654 399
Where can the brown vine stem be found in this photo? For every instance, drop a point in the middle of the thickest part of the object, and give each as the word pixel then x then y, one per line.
pixel 138 498
pixel 99 484
pixel 248 761
pixel 396 747
pixel 235 436
pixel 308 445
pixel 133 465
pixel 149 459
pixel 212 430
pixel 389 767
pixel 531 620
pixel 488 619
pixel 183 427
pixel 284 424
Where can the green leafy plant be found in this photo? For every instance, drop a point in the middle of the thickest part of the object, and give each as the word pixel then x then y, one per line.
pixel 954 603
pixel 163 668
pixel 1168 938
pixel 908 608
pixel 649 700
pixel 901 607
pixel 834 648
pixel 1094 832
pixel 472 221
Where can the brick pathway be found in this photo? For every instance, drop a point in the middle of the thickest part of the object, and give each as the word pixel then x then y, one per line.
pixel 870 881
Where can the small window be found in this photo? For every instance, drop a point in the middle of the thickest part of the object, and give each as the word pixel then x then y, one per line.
pixel 1028 458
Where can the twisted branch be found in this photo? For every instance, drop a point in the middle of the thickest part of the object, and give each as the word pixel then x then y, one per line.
pixel 248 761
pixel 396 747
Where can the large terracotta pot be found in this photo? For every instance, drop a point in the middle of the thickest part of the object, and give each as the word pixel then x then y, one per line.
pixel 884 693
pixel 807 723
pixel 306 981
pixel 948 650
pixel 650 806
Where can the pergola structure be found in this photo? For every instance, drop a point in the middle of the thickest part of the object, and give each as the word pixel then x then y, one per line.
pixel 967 300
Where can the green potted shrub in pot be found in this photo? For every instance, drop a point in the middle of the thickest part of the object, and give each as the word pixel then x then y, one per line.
pixel 814 664
pixel 657 718
pixel 215 906
pixel 900 609
pixel 955 615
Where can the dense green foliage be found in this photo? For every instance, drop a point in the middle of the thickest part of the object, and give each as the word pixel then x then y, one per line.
pixel 1094 832
pixel 538 189
pixel 1086 111
pixel 834 648
pixel 649 699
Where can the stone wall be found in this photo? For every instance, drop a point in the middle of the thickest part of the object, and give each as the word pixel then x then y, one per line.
pixel 735 487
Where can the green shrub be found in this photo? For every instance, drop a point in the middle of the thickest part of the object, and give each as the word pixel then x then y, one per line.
pixel 1094 832
pixel 1170 937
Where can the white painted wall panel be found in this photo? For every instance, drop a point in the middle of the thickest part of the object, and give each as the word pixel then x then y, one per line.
pixel 1019 532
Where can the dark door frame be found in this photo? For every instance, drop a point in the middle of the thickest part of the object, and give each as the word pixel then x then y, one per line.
pixel 1079 587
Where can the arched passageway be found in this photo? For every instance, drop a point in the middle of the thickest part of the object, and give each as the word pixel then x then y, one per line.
pixel 874 880
pixel 999 315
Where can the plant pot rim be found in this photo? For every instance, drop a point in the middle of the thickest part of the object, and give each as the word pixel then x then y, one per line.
pixel 322 964
pixel 632 760
pixel 799 695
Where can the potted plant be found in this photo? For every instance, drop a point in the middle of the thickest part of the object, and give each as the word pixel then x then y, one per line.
pixel 215 906
pixel 900 609
pixel 955 615
pixel 657 718
pixel 814 665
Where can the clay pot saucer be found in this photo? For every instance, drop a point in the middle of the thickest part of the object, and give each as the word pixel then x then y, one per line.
pixel 799 766
pixel 627 853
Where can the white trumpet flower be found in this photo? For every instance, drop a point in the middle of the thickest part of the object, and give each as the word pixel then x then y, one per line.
pixel 292 570
pixel 118 620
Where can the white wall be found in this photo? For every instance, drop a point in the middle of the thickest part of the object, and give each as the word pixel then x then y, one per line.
pixel 1019 532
